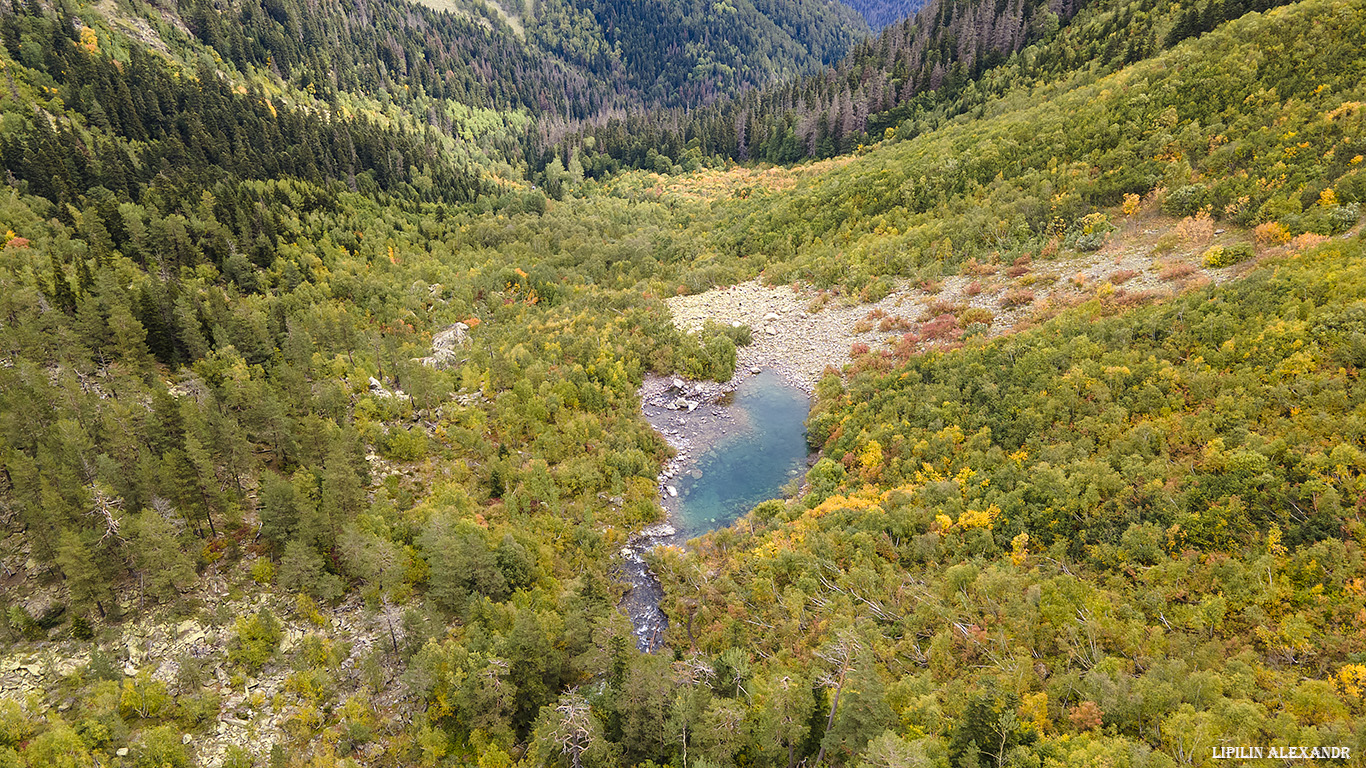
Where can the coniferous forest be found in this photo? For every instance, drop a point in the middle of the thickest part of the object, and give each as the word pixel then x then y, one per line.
pixel 323 328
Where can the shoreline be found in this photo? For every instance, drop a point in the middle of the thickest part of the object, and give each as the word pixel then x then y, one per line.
pixel 692 417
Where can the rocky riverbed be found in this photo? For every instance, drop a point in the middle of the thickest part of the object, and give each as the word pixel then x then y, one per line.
pixel 691 416
pixel 789 339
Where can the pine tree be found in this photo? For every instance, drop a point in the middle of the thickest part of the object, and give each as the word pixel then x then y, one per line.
pixel 302 569
pixel 87 583
pixel 277 509
pixel 164 566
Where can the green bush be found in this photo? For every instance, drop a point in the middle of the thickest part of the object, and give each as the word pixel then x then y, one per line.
pixel 708 355
pixel 404 444
pixel 257 639
pixel 81 629
pixel 740 335
pixel 303 569
pixel 22 624
pixel 1220 256
pixel 1184 201
pixel 198 710
pixel 1351 187
pixel 1092 242
pixel 16 726
pixel 161 747
pixel 103 666
pixel 1343 217
pixel 94 733
pixel 238 757
pixel 60 747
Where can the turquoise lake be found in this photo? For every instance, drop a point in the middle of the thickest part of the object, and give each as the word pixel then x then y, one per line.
pixel 765 451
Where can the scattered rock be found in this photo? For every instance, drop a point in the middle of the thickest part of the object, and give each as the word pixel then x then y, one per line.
pixel 377 389
pixel 662 530
pixel 446 345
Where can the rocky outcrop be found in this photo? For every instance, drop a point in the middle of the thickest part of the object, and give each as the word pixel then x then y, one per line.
pixel 446 346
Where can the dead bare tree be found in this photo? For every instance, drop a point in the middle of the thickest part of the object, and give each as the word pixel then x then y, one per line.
pixel 168 513
pixel 575 732
pixel 693 670
pixel 841 655
pixel 106 507
pixel 392 617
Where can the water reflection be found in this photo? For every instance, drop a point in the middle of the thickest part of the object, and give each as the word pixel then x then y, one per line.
pixel 752 464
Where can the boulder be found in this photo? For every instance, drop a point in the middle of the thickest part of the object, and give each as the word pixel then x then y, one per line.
pixel 658 531
pixel 446 345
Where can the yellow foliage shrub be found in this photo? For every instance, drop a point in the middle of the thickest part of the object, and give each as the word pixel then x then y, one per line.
pixel 1271 233
pixel 984 518
pixel 1351 681
pixel 1195 230
pixel 1034 710
pixel 1132 203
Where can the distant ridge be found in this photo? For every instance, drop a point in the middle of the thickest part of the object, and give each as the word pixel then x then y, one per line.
pixel 880 13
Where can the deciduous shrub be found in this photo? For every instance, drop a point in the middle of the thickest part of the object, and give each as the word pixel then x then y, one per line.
pixel 1184 201
pixel 1224 256
pixel 1271 233
pixel 257 638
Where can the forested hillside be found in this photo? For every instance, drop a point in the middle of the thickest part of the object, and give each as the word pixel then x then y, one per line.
pixel 952 57
pixel 880 13
pixel 319 429
pixel 1123 538
pixel 567 58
